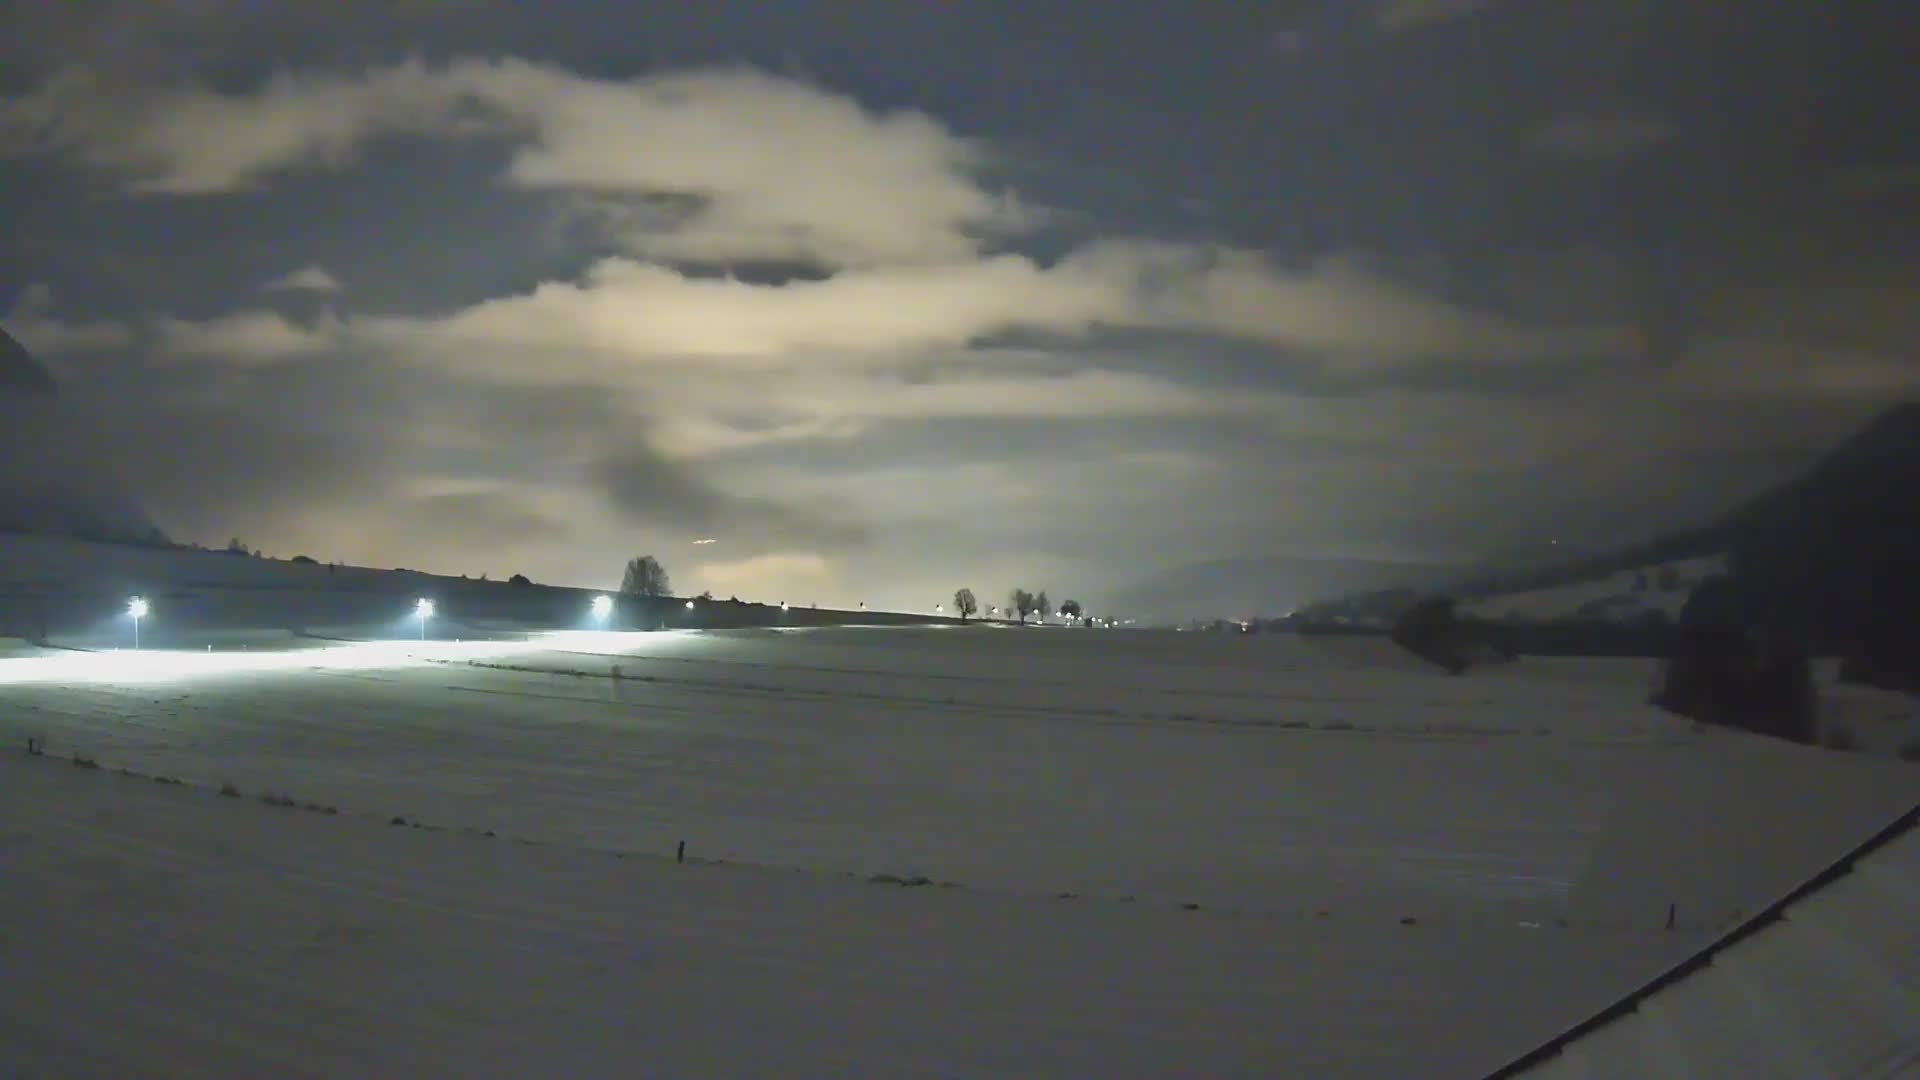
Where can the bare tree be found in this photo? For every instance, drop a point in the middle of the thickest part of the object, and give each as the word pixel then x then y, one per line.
pixel 965 604
pixel 1040 605
pixel 1022 603
pixel 646 577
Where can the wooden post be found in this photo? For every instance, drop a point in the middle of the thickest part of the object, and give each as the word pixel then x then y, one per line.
pixel 680 853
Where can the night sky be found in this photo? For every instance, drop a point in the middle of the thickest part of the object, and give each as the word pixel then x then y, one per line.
pixel 887 299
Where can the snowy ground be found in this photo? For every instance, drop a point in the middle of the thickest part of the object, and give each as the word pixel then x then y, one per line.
pixel 1533 821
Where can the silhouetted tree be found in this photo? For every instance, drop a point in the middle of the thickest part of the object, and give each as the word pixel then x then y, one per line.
pixel 1070 609
pixel 645 577
pixel 520 580
pixel 1430 629
pixel 965 604
pixel 1021 601
pixel 1727 669
pixel 1040 605
pixel 1887 662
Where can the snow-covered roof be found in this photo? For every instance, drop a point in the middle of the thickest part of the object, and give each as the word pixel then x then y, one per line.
pixel 1826 982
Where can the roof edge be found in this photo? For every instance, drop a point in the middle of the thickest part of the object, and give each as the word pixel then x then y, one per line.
pixel 1766 917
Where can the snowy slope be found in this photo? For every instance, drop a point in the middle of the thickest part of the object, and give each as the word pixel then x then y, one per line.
pixel 150 930
pixel 60 587
pixel 1078 790
pixel 1617 597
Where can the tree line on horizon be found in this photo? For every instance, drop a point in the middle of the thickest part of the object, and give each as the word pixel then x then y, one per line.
pixel 1020 602
pixel 646 576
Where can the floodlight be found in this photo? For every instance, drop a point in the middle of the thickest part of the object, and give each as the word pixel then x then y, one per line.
pixel 137 607
pixel 689 605
pixel 602 606
pixel 423 608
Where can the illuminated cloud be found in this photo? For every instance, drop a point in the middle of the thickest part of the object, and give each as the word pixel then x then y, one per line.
pixel 246 338
pixel 310 278
pixel 600 314
pixel 33 323
pixel 712 165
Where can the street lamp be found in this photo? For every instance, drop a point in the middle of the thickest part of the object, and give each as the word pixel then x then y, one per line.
pixel 423 608
pixel 137 607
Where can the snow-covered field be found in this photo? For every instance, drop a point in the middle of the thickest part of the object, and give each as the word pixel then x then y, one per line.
pixel 1145 854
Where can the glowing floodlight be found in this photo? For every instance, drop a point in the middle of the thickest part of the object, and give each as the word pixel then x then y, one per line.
pixel 689 605
pixel 137 608
pixel 783 605
pixel 602 606
pixel 423 607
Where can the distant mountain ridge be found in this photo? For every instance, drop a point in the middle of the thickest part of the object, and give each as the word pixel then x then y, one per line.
pixel 42 489
pixel 1833 553
pixel 19 371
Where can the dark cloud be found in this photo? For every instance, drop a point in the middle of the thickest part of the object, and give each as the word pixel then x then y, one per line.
pixel 159 39
pixel 648 489
pixel 254 455
pixel 1142 296
pixel 1604 131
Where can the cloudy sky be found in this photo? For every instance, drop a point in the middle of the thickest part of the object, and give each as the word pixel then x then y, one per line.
pixel 891 298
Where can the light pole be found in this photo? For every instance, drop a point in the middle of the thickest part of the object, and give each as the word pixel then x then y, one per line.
pixel 423 608
pixel 137 607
